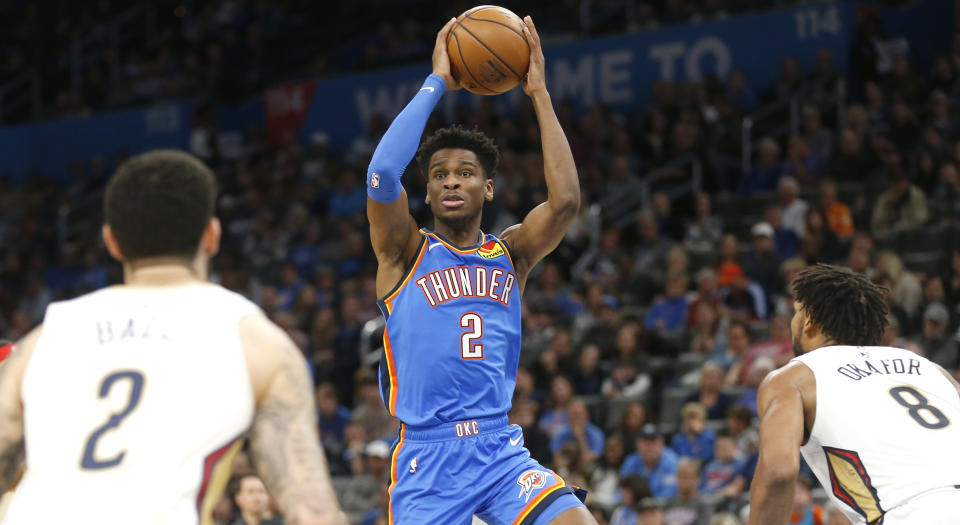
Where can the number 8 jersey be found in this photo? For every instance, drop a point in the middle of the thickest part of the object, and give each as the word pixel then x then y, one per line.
pixel 452 336
pixel 887 428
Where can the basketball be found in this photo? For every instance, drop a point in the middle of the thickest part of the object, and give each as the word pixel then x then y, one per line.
pixel 488 53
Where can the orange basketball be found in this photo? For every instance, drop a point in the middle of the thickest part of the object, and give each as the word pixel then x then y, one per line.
pixel 488 53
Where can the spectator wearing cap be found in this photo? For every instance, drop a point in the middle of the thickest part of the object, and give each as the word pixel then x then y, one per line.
pixel 579 428
pixel 902 207
pixel 693 440
pixel 937 344
pixel 654 462
pixel 762 264
pixel 687 507
pixel 722 470
pixel 376 459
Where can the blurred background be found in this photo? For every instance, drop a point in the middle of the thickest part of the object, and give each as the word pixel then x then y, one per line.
pixel 722 146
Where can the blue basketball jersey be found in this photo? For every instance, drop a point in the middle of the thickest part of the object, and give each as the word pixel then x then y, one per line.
pixel 452 336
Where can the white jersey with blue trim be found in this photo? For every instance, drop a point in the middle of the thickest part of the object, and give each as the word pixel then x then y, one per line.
pixel 135 401
pixel 887 429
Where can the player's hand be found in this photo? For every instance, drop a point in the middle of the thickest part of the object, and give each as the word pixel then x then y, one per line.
pixel 536 79
pixel 441 60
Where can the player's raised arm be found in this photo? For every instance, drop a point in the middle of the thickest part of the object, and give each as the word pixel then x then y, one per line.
pixel 780 407
pixel 544 227
pixel 393 231
pixel 11 411
pixel 284 443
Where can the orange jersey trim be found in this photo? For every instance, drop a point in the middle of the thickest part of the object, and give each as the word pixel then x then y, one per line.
pixel 391 372
pixel 448 245
pixel 536 501
pixel 388 300
pixel 393 474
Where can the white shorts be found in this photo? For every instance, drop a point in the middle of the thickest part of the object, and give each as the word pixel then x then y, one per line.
pixel 937 507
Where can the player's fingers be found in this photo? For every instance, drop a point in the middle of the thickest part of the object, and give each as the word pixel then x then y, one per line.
pixel 534 37
pixel 444 31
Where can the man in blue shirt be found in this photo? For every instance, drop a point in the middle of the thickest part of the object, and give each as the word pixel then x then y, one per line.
pixel 669 313
pixel 654 462
pixel 579 428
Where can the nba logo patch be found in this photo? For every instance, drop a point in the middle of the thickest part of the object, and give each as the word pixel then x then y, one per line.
pixel 374 180
pixel 413 466
pixel 529 481
pixel 490 250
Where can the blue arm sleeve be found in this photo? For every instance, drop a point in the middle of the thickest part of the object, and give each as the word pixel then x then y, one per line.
pixel 399 144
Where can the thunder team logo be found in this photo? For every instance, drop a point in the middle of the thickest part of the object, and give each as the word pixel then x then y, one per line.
pixel 529 481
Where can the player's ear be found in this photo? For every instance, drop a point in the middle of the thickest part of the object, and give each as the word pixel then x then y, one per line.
pixel 488 189
pixel 111 242
pixel 210 243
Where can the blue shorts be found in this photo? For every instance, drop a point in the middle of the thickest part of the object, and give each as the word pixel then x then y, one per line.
pixel 447 473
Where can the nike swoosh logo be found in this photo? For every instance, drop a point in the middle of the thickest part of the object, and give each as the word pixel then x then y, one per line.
pixel 513 442
pixel 428 88
pixel 434 245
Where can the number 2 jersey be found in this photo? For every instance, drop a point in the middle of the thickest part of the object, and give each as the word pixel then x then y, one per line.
pixel 452 336
pixel 887 428
pixel 134 400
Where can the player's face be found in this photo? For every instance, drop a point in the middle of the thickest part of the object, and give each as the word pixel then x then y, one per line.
pixel 457 185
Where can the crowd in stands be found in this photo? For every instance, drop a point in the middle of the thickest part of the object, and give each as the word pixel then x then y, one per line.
pixel 112 54
pixel 643 344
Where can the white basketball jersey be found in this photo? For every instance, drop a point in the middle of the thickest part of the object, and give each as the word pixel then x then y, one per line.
pixel 887 428
pixel 135 402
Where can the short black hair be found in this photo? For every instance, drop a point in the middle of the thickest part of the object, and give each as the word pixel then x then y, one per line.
pixel 158 203
pixel 458 137
pixel 848 307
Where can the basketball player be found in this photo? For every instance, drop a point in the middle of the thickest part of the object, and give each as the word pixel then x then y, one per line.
pixel 132 401
pixel 451 300
pixel 879 426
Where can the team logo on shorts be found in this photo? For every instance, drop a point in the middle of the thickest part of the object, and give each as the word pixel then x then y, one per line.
pixel 413 466
pixel 491 250
pixel 375 180
pixel 530 481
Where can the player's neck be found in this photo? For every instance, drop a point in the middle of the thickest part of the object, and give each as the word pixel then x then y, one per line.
pixel 465 233
pixel 163 272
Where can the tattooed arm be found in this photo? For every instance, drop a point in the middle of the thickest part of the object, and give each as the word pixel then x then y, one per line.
pixel 284 443
pixel 11 412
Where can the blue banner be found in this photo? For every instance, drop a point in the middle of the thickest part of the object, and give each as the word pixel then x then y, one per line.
pixel 617 71
pixel 50 147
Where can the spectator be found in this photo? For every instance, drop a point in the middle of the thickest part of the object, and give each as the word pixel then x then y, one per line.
pixel 650 512
pixel 253 502
pixel 587 378
pixel 945 202
pixel 535 440
pixel 786 241
pixel 779 349
pixel 763 176
pixel 554 418
pixel 722 470
pixel 332 417
pixel 376 460
pixel 632 420
pixel 654 462
pixel 802 164
pixel 761 367
pixel 738 340
pixel 369 412
pixel 835 516
pixel 709 396
pixel 605 477
pixel 579 429
pixel 762 264
pixel 693 440
pixel 708 335
pixel 850 162
pixel 705 231
pixel 906 290
pixel 794 208
pixel 633 490
pixel 669 313
pixel 838 214
pixel 819 138
pixel 902 207
pixel 708 292
pixel 805 511
pixel 687 508
pixel 939 346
